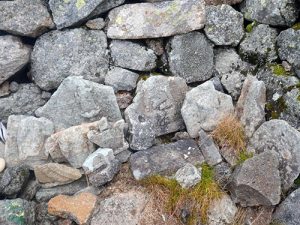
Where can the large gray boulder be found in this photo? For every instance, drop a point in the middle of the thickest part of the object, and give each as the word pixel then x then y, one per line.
pixel 155 110
pixel 32 19
pixel 14 55
pixel 151 20
pixel 190 56
pixel 73 103
pixel 59 54
pixel 73 12
pixel 273 12
pixel 224 25
pixel 204 107
pixel 279 136
pixel 165 159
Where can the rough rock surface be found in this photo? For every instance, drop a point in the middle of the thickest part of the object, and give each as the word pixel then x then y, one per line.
pixel 224 25
pixel 219 2
pixel 14 55
pixel 2 164
pixel 291 114
pixel 257 181
pixel 190 56
pixel 72 103
pixel 203 108
pixel 155 110
pixel 96 24
pixel 222 174
pixel 279 136
pixel 32 19
pixel 165 159
pixel 188 176
pixel 151 20
pixel 80 52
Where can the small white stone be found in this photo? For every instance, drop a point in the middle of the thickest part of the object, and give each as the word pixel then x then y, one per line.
pixel 2 164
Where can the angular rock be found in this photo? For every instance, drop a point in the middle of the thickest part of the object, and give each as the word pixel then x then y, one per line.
pixel 78 207
pixel 259 215
pixel 257 181
pixel 224 25
pixel 80 52
pixel 272 12
pixel 155 110
pixel 222 174
pixel 132 55
pixel 123 156
pixel 72 103
pixel 14 55
pixel 74 12
pixel 279 136
pixel 250 107
pixel 26 139
pixel 101 166
pixel 165 159
pixel 203 108
pixel 291 113
pixel 190 56
pixel 188 176
pixel 96 24
pixel 121 79
pixel 32 19
pixel 151 20
pixel 53 174
pixel 4 89
pixel 219 2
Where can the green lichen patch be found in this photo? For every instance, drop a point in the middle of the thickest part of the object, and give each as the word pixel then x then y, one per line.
pixel 16 213
pixel 249 27
pixel 80 4
pixel 296 26
pixel 279 70
pixel 275 109
pixel 243 156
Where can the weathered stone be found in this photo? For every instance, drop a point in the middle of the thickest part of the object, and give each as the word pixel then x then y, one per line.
pixel 273 12
pixel 188 176
pixel 157 45
pixel 250 107
pixel 123 156
pixel 32 19
pixel 30 190
pixel 257 181
pixel 53 174
pixel 124 99
pixel 121 79
pixel 165 159
pixel 219 2
pixel 155 110
pixel 78 207
pixel 73 12
pixel 224 25
pixel 4 89
pixel 291 113
pixel 25 140
pixel 96 24
pixel 80 52
pixel 258 215
pixel 2 164
pixel 132 55
pixel 42 215
pixel 151 20
pixel 101 166
pixel 222 174
pixel 279 136
pixel 14 55
pixel 230 155
pixel 190 56
pixel 72 103
pixel 203 108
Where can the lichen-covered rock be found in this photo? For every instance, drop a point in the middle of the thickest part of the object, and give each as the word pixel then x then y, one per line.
pixel 224 25
pixel 151 20
pixel 190 56
pixel 155 110
pixel 188 176
pixel 73 103
pixel 273 12
pixel 32 19
pixel 77 52
pixel 222 174
pixel 279 136
pixel 14 55
pixel 72 12
pixel 204 107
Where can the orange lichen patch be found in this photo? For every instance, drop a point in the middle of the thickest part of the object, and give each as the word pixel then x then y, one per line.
pixel 79 207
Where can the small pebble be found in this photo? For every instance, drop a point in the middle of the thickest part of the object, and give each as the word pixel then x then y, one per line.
pixel 2 164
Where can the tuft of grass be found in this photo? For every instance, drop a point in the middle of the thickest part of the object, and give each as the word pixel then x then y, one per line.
pixel 197 199
pixel 243 156
pixel 249 27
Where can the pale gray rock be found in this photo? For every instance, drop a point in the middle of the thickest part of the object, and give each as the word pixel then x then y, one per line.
pixel 32 19
pixel 188 176
pixel 96 24
pixel 291 113
pixel 152 20
pixel 155 110
pixel 77 52
pixel 190 56
pixel 257 181
pixel 204 107
pixel 279 136
pixel 165 159
pixel 132 55
pixel 219 2
pixel 4 89
pixel 73 103
pixel 14 55
pixel 224 25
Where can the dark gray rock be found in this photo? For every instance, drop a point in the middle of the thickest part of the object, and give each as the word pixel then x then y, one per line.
pixel 291 113
pixel 191 57
pixel 165 159
pixel 219 2
pixel 29 192
pixel 222 174
pixel 224 25
pixel 59 54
